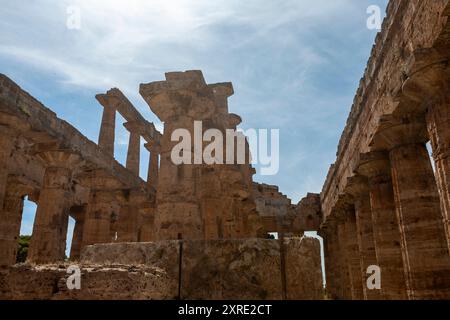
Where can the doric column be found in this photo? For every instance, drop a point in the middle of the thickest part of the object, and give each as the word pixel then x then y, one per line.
pixel 424 244
pixel 331 252
pixel 153 165
pixel 128 220
pixel 386 231
pixel 10 220
pixel 102 209
pixel 438 123
pixel 6 144
pixel 77 238
pixel 343 261
pixel 427 90
pixel 48 241
pixel 108 126
pixel 358 188
pixel 349 239
pixel 134 147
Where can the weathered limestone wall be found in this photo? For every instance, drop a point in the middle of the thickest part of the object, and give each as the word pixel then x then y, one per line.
pixel 226 269
pixel 98 282
pixel 278 214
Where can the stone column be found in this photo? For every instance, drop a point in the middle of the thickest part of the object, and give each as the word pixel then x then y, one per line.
pixel 358 188
pixel 348 234
pixel 48 241
pixel 343 262
pixel 427 91
pixel 386 232
pixel 134 147
pixel 6 145
pixel 128 220
pixel 107 130
pixel 153 165
pixel 331 251
pixel 77 238
pixel 102 209
pixel 438 123
pixel 10 220
pixel 424 244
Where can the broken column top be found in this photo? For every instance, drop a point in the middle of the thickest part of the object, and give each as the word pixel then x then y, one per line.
pixel 185 94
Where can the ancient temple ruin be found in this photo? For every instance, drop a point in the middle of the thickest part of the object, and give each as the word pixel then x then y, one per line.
pixel 189 230
pixel 382 202
pixel 198 231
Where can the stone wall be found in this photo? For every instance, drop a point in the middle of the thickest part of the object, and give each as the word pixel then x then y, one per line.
pixel 278 214
pixel 98 282
pixel 227 269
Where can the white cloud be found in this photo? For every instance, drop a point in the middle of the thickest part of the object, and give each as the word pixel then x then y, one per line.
pixel 273 51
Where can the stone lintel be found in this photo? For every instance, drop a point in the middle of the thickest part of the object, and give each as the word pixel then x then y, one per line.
pixel 374 164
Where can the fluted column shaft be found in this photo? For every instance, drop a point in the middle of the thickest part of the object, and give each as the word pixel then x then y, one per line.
pixel 133 155
pixel 352 255
pixel 331 253
pixel 386 232
pixel 153 167
pixel 48 241
pixel 77 238
pixel 438 123
pixel 102 208
pixel 343 262
pixel 6 144
pixel 107 130
pixel 425 249
pixel 10 220
pixel 364 226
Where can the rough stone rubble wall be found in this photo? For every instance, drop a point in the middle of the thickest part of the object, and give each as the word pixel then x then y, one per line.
pixel 227 269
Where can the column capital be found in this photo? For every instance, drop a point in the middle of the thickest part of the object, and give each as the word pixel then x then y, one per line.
pixel 108 101
pixel 181 94
pixel 427 79
pixel 60 158
pixel 135 127
pixel 357 186
pixel 398 130
pixel 342 208
pixel 374 164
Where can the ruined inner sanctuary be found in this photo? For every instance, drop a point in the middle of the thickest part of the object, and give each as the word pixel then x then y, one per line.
pixel 201 231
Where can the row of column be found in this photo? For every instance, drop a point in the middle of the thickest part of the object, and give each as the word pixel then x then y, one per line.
pixel 107 138
pixel 110 215
pixel 397 211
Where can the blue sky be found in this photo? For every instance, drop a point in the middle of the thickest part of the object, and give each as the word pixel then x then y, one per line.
pixel 295 65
